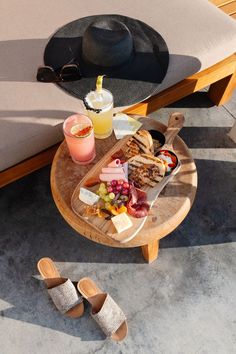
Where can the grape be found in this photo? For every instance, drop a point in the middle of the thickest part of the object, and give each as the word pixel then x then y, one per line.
pixel 110 189
pixel 126 185
pixel 124 198
pixel 125 192
pixel 111 195
pixel 106 198
pixel 102 186
pixel 107 205
pixel 108 184
pixel 119 188
pixel 113 183
pixel 102 190
pixel 120 182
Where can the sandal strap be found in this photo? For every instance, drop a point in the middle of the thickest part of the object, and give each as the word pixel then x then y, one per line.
pixel 110 317
pixel 65 296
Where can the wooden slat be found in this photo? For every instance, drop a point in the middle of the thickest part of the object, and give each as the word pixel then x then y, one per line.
pixel 22 169
pixel 230 8
pixel 233 16
pixel 219 3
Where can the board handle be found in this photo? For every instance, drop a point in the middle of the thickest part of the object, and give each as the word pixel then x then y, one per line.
pixel 175 124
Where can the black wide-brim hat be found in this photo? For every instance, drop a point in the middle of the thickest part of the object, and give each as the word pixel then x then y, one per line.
pixel 133 56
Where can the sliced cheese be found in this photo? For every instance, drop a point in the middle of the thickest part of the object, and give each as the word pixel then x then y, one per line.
pixel 87 196
pixel 121 222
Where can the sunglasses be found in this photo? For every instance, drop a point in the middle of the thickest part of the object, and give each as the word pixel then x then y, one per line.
pixel 68 72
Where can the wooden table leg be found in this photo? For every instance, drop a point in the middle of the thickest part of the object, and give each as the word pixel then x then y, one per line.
pixel 150 251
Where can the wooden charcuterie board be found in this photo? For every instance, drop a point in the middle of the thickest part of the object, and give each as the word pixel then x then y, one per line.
pixel 106 226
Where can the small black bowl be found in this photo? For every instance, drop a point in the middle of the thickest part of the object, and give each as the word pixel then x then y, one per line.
pixel 157 137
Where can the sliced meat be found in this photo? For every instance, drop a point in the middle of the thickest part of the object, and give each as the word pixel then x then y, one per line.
pixel 108 177
pixel 112 170
pixel 119 155
pixel 137 205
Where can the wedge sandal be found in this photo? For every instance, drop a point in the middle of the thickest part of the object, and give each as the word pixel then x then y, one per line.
pixel 61 290
pixel 105 311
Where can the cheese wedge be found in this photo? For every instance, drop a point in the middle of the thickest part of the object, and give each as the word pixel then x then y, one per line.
pixel 88 197
pixel 121 222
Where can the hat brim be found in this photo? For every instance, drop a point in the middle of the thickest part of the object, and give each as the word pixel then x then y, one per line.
pixel 129 83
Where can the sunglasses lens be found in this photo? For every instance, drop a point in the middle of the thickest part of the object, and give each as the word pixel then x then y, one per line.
pixel 46 74
pixel 70 73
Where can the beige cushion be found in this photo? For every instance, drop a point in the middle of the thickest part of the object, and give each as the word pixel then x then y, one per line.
pixel 197 33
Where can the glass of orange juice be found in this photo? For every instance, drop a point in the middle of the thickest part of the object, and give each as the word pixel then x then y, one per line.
pixel 79 135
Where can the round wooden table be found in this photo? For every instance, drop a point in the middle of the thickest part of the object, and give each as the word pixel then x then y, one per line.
pixel 171 207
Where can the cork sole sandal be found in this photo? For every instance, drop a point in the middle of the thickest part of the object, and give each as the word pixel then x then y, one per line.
pixel 105 311
pixel 61 290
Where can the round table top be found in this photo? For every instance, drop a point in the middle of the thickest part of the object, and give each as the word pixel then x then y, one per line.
pixel 169 211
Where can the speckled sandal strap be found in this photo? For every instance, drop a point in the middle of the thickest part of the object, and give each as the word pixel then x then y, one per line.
pixel 65 296
pixel 110 317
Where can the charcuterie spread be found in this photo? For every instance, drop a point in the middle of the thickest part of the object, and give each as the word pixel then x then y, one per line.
pixel 117 189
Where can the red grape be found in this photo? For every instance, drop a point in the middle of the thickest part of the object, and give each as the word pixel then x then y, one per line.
pixel 109 189
pixel 119 188
pixel 126 185
pixel 125 192
pixel 113 183
pixel 120 182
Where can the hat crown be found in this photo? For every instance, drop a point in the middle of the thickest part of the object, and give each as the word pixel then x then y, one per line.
pixel 107 43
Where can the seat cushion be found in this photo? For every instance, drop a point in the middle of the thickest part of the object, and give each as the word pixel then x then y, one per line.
pixel 21 138
pixel 198 36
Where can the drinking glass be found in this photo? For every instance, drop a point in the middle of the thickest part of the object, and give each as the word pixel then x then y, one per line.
pixel 99 105
pixel 79 135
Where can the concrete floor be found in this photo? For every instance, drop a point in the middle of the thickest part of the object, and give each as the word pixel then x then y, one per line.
pixel 183 303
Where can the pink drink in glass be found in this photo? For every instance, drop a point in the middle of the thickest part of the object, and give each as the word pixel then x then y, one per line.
pixel 79 135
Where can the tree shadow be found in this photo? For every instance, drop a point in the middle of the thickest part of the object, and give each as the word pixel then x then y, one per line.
pixel 195 100
pixel 32 228
pixel 207 137
pixel 211 220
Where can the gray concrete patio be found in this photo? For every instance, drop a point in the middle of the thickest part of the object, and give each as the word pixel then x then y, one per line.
pixel 183 303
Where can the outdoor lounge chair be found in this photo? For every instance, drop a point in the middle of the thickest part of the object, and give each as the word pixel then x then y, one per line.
pixel 221 77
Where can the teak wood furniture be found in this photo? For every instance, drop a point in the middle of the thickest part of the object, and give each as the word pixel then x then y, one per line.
pixel 169 211
pixel 221 77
